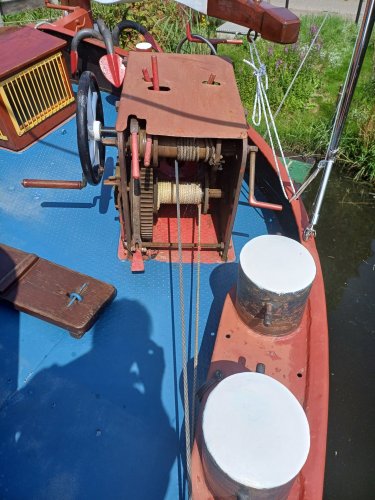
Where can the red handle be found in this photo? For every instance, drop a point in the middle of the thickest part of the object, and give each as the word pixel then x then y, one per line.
pixel 146 75
pixel 73 62
pixel 155 73
pixel 262 204
pixel 52 184
pixel 135 159
pixel 252 201
pixel 148 149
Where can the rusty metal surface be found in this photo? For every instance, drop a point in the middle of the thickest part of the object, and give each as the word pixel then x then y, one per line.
pixel 123 199
pixel 43 289
pixel 190 108
pixel 283 315
pixel 229 206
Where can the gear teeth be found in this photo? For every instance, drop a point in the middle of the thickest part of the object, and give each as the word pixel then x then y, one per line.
pixel 146 179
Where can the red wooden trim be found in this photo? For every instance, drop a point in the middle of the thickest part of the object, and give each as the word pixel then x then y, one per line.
pixel 21 47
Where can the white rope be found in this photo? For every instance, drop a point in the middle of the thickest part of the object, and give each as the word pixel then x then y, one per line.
pixel 189 193
pixel 262 108
pixel 196 336
pixel 183 336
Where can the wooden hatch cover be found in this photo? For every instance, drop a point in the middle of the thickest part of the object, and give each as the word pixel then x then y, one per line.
pixel 53 293
pixel 20 47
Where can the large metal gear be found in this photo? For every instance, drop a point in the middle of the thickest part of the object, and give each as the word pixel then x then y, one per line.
pixel 146 180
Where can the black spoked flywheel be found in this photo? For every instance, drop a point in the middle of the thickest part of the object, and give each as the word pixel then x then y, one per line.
pixel 90 118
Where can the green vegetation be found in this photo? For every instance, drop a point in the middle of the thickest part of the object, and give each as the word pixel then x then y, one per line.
pixel 31 16
pixel 305 120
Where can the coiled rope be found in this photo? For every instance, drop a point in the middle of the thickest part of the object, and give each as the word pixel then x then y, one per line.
pixel 188 193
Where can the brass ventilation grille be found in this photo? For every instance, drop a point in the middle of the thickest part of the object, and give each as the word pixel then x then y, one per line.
pixel 36 93
pixel 3 137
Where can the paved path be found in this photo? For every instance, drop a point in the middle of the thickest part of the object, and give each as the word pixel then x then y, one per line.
pixel 346 8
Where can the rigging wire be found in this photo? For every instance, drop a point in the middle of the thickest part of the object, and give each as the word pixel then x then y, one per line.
pixel 196 335
pixel 300 66
pixel 183 335
pixel 262 108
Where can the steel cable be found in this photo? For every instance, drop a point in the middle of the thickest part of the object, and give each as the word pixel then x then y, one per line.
pixel 183 336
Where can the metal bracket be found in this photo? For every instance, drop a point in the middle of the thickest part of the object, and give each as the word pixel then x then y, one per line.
pixel 217 377
pixel 321 165
pixel 308 232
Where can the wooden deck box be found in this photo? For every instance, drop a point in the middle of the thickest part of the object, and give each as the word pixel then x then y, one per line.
pixel 35 89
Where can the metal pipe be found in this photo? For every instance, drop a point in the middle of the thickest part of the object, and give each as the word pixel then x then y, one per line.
pixel 135 155
pixel 148 149
pixel 124 197
pixel 252 201
pixel 52 184
pixel 155 73
pixel 359 52
pixel 358 11
pixel 68 8
pixel 146 75
pixel 211 79
pixel 167 147
pixel 174 246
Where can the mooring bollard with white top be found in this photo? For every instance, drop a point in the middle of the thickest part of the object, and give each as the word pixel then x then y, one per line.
pixel 274 281
pixel 256 438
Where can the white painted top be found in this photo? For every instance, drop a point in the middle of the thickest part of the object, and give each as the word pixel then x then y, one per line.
pixel 277 264
pixel 256 431
pixel 143 47
pixel 110 2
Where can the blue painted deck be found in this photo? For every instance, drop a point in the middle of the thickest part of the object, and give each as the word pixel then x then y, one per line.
pixel 99 417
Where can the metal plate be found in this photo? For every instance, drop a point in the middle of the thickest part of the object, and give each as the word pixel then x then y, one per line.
pixel 190 108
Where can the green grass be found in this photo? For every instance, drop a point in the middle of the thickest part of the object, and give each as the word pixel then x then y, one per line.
pixel 31 16
pixel 305 120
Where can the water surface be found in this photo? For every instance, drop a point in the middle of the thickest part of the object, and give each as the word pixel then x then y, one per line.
pixel 346 244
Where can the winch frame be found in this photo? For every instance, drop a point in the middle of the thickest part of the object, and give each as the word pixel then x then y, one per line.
pixel 157 124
